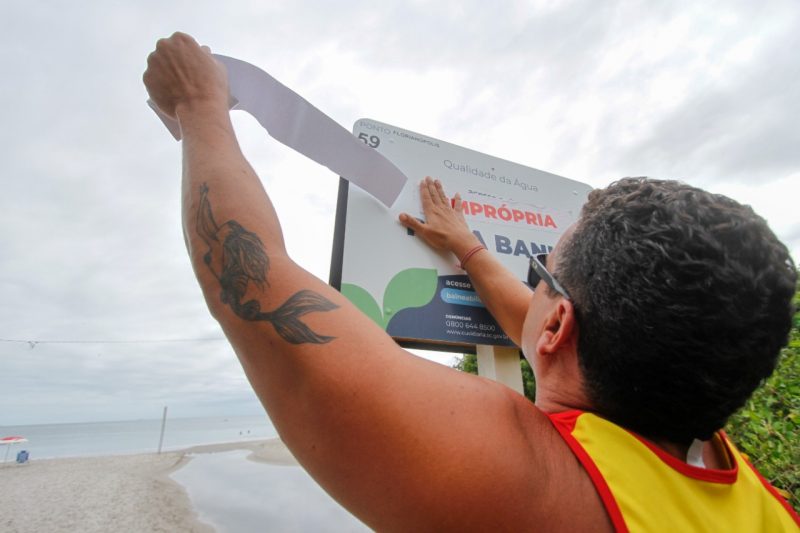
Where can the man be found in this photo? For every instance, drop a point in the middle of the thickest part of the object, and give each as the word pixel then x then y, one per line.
pixel 665 308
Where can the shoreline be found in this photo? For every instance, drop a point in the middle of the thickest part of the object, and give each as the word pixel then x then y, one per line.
pixel 113 492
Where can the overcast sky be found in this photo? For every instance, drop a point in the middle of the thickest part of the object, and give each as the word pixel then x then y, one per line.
pixel 91 246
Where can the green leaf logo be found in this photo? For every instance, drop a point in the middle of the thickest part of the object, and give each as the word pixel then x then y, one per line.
pixel 364 301
pixel 413 287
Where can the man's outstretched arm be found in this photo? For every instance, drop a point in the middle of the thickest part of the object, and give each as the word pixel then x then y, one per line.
pixel 505 296
pixel 393 437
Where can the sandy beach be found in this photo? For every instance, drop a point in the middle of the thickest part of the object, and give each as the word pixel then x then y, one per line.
pixel 111 493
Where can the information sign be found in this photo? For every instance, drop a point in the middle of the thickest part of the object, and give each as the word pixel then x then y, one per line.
pixel 420 296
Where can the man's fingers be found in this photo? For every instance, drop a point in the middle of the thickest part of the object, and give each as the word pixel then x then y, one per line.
pixel 459 207
pixel 440 192
pixel 410 222
pixel 433 197
pixel 179 35
pixel 425 195
pixel 432 192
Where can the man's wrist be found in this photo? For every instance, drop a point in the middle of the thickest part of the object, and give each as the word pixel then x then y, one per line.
pixel 474 250
pixel 463 246
pixel 205 107
pixel 199 116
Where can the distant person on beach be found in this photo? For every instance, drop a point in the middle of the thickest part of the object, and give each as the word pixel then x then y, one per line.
pixel 653 320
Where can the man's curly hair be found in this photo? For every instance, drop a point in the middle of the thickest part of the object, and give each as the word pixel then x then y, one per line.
pixel 683 301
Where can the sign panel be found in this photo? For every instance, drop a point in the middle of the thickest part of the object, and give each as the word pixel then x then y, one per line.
pixel 416 294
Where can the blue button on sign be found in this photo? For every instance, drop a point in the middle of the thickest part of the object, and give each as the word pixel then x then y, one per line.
pixel 455 296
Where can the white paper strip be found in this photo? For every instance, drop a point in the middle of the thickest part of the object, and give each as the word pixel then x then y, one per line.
pixel 292 120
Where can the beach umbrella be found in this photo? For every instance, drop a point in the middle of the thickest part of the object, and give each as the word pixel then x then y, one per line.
pixel 8 441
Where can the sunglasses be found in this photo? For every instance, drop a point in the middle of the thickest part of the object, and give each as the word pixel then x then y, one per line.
pixel 537 271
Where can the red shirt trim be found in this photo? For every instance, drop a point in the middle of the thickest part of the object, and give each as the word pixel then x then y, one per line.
pixel 774 492
pixel 703 474
pixel 564 423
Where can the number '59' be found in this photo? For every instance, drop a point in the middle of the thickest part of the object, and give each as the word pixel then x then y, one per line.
pixel 373 140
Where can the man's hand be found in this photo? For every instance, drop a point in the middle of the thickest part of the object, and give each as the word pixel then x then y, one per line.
pixel 502 292
pixel 444 227
pixel 180 73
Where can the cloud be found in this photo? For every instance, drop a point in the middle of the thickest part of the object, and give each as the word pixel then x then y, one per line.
pixel 734 127
pixel 91 243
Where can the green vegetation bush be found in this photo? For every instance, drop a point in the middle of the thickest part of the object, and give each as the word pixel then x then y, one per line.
pixel 766 429
pixel 469 363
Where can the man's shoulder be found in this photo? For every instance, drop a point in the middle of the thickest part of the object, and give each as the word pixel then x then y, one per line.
pixel 560 491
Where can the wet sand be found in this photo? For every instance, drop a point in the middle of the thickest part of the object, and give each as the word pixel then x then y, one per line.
pixel 111 493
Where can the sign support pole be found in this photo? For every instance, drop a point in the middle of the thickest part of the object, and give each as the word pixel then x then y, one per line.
pixel 500 363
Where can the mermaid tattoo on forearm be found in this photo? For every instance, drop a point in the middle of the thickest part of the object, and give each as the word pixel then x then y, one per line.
pixel 238 260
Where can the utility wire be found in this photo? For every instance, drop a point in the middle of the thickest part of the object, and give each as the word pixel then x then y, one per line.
pixel 33 343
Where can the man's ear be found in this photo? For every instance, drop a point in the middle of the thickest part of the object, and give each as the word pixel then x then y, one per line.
pixel 560 329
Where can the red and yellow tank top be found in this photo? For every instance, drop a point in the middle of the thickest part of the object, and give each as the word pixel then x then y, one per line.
pixel 644 488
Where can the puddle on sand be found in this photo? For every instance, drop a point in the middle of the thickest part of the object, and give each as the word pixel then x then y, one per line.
pixel 236 495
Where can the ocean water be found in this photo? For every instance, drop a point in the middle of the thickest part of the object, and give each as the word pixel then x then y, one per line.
pixel 132 436
pixel 236 495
